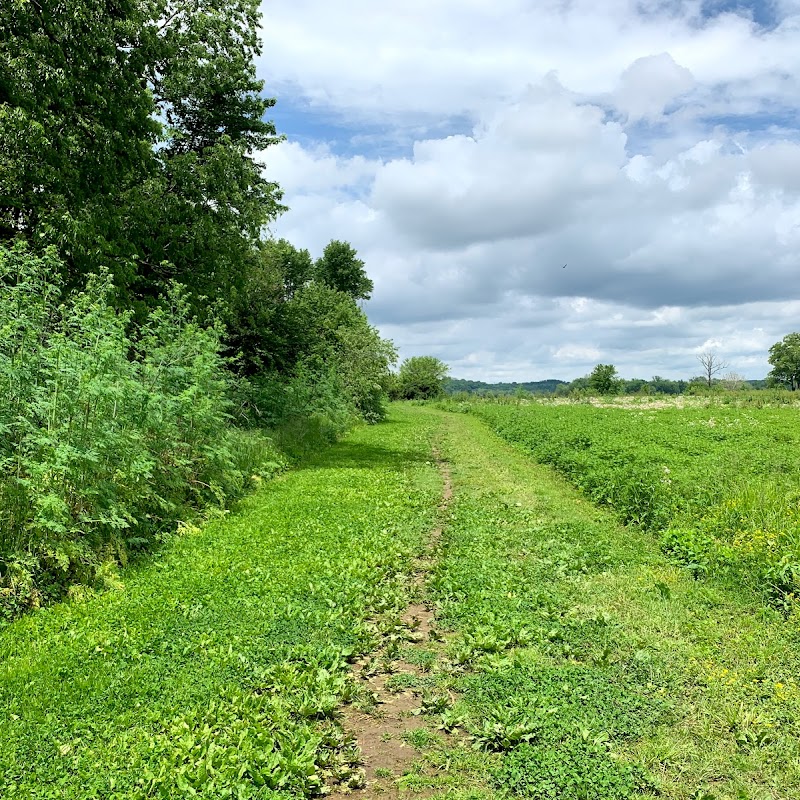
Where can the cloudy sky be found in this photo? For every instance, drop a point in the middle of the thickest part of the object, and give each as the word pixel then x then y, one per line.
pixel 469 149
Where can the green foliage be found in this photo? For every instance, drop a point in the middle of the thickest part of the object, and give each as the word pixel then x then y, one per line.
pixel 337 363
pixel 305 347
pixel 721 485
pixel 217 670
pixel 103 452
pixel 129 132
pixel 340 268
pixel 421 378
pixel 785 359
pixel 604 379
pixel 575 768
pixel 458 385
pixel 295 267
pixel 545 685
pixel 583 662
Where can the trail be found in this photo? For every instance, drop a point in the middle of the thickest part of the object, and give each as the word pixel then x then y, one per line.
pixel 382 731
pixel 216 667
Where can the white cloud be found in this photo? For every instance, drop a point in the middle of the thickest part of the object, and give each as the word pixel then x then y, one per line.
pixel 589 145
pixel 527 170
pixel 650 84
pixel 450 57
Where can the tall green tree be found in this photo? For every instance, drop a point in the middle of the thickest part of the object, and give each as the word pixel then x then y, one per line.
pixel 421 378
pixel 329 340
pixel 785 359
pixel 128 134
pixel 604 379
pixel 340 268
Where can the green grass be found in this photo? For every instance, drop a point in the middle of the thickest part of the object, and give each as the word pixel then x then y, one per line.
pixel 215 671
pixel 588 665
pixel 720 484
pixel 577 661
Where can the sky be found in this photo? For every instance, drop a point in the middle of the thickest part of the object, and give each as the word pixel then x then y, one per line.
pixel 539 187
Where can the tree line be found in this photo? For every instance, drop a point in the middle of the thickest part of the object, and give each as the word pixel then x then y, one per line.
pixel 784 356
pixel 150 328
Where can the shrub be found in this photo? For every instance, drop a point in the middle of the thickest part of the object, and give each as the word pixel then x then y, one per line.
pixel 106 441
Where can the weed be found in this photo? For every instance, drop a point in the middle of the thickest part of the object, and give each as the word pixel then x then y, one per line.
pixel 420 738
pixel 586 665
pixel 575 768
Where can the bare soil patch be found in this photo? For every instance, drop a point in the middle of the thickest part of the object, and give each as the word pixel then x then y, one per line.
pixel 388 713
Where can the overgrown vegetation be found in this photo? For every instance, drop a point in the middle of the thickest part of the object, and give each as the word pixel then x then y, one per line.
pixel 570 658
pixel 217 669
pixel 419 378
pixel 113 434
pixel 106 440
pixel 719 484
pixel 143 310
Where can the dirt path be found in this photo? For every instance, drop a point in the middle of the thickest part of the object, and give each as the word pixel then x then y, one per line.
pixel 384 720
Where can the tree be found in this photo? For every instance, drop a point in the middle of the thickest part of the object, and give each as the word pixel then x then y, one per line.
pixel 712 364
pixel 666 386
pixel 604 379
pixel 129 130
pixel 785 359
pixel 328 333
pixel 421 378
pixel 294 265
pixel 340 268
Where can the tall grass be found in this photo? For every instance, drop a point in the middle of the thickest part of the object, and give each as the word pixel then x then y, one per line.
pixel 106 440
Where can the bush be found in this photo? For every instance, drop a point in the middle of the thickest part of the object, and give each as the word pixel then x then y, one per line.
pixel 106 441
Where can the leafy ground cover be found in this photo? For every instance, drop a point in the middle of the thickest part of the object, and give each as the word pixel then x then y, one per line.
pixel 567 658
pixel 216 670
pixel 720 484
pixel 578 662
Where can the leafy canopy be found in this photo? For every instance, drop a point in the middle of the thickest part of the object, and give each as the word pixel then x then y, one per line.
pixel 341 269
pixel 129 131
pixel 604 379
pixel 785 359
pixel 421 378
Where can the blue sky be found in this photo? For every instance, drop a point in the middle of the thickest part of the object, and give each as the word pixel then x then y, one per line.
pixel 765 14
pixel 469 149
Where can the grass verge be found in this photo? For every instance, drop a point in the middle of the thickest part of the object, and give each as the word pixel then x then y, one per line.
pixel 217 669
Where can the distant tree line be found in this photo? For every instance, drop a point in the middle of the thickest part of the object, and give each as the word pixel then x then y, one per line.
pixel 603 383
pixel 456 385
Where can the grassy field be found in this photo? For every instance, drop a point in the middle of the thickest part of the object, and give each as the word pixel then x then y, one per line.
pixel 215 671
pixel 589 666
pixel 569 656
pixel 720 484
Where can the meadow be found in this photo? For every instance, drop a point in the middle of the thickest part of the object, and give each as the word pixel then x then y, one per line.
pixel 217 668
pixel 569 656
pixel 585 663
pixel 719 483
